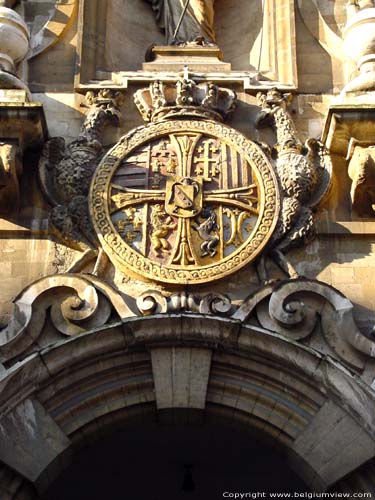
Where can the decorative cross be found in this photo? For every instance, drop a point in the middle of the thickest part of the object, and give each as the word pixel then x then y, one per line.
pixel 210 162
pixel 241 200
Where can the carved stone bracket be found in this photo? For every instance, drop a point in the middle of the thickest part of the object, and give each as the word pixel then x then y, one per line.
pixel 349 132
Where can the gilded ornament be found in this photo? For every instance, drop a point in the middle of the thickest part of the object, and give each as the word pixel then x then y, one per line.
pixel 203 219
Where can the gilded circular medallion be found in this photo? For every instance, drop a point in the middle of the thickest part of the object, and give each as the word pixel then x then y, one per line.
pixel 184 201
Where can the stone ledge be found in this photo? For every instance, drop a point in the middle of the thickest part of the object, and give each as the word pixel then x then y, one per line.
pixel 34 227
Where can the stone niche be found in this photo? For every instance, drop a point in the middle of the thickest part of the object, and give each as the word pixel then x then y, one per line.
pixel 115 35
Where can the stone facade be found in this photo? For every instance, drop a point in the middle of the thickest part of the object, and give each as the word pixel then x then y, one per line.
pixel 187 230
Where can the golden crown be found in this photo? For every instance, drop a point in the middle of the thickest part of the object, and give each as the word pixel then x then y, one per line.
pixel 185 98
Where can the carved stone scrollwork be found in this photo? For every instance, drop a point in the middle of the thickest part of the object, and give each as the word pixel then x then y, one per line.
pixel 304 177
pixel 73 304
pixel 294 308
pixel 217 304
pixel 154 302
pixel 66 171
pixel 299 310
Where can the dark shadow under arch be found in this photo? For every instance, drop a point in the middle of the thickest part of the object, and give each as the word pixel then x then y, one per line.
pixel 148 462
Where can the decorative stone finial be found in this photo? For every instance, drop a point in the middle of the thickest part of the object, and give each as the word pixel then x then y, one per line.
pixel 184 98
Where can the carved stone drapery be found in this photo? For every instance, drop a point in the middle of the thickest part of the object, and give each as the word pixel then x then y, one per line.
pixel 198 21
pixel 278 62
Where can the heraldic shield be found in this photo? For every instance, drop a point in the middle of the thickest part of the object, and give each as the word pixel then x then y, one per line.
pixel 184 201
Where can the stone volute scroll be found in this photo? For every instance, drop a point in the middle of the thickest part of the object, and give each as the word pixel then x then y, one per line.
pixel 185 199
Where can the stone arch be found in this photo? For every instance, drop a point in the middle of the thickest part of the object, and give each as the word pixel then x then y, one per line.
pixel 61 397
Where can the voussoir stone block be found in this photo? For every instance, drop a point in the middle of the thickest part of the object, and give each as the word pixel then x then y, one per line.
pixel 30 440
pixel 334 444
pixel 181 376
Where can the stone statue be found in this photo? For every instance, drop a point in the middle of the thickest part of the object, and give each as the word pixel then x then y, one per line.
pixel 65 172
pixel 301 174
pixel 197 24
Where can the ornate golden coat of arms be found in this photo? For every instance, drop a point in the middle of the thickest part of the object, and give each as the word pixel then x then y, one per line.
pixel 185 199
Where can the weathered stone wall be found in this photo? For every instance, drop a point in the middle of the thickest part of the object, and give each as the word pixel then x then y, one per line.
pixel 251 366
pixel 341 259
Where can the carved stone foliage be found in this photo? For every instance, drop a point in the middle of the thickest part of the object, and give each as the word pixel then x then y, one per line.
pixel 300 311
pixel 66 171
pixel 304 177
pixel 184 201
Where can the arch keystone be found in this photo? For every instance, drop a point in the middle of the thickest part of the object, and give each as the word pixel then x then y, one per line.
pixel 181 376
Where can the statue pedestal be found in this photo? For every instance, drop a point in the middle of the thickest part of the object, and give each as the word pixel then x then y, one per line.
pixel 196 57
